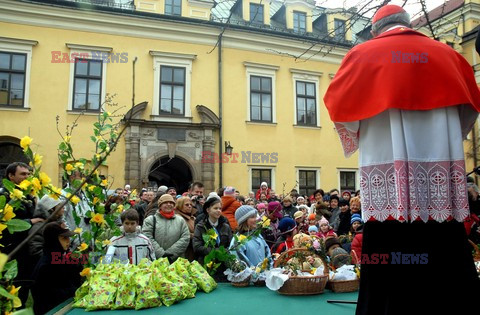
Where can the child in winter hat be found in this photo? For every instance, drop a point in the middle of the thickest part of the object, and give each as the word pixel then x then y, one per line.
pixel 325 229
pixel 356 221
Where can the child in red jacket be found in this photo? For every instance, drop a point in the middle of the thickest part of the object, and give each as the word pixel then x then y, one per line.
pixel 325 229
pixel 357 231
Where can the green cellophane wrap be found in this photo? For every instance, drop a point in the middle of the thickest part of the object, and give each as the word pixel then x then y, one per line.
pixel 103 288
pixel 169 291
pixel 147 295
pixel 201 277
pixel 181 267
pixel 81 295
pixel 126 292
pixel 187 290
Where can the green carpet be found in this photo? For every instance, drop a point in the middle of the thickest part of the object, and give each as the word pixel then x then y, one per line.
pixel 227 299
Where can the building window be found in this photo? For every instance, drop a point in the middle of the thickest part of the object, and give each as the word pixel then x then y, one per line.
pixel 347 180
pixel 260 175
pixel 306 103
pixel 261 98
pixel 256 13
pixel 299 22
pixel 172 90
pixel 87 84
pixel 173 7
pixel 12 78
pixel 307 182
pixel 339 29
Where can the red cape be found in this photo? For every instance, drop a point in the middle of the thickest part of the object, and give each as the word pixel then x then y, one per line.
pixel 401 69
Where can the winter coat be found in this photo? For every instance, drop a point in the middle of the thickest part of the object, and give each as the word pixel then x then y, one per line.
pixel 259 192
pixel 223 231
pixel 335 219
pixel 283 244
pixel 357 248
pixel 289 211
pixel 344 225
pixel 252 252
pixel 270 235
pixel 170 237
pixel 329 233
pixel 130 247
pixel 229 205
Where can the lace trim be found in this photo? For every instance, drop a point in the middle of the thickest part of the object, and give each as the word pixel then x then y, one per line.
pixel 348 138
pixel 406 190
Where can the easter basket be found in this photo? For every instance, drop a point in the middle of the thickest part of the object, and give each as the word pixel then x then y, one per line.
pixel 301 285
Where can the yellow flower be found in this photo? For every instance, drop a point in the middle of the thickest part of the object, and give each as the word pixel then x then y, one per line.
pixel 85 272
pixel 24 184
pixel 36 184
pixel 209 265
pixel 75 200
pixel 258 270
pixel 265 222
pixel 120 208
pixel 95 200
pixel 55 192
pixel 69 167
pixel 265 264
pixel 104 183
pixel 16 194
pixel 37 159
pixel 82 247
pixel 79 165
pixel 214 236
pixel 134 192
pixel 8 213
pixel 313 270
pixel 14 290
pixel 67 138
pixel 91 187
pixel 17 302
pixel 78 230
pixel 99 138
pixel 98 218
pixel 241 237
pixel 106 242
pixel 44 179
pixel 25 142
pixel 2 227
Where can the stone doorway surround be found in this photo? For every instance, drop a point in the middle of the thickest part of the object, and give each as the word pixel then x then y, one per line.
pixel 146 141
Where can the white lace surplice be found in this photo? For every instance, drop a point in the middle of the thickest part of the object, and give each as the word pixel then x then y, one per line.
pixel 411 163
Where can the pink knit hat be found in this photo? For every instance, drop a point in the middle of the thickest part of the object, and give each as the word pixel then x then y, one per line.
pixel 323 221
pixel 229 191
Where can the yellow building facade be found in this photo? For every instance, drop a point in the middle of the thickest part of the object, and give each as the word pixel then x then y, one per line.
pixel 192 76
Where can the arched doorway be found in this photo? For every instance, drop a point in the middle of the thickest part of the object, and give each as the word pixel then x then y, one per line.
pixel 173 172
pixel 10 152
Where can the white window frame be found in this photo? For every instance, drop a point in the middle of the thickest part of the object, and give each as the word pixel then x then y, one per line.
pixel 271 168
pixel 357 177
pixel 311 77
pixel 262 70
pixel 172 60
pixel 82 49
pixel 317 175
pixel 22 46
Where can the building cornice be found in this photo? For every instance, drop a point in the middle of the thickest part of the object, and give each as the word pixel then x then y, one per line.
pixel 164 54
pixel 88 47
pixel 154 27
pixel 18 41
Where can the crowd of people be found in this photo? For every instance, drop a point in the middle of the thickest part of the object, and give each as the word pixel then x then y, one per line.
pixel 164 223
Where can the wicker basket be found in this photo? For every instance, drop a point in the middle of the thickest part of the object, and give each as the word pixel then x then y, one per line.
pixel 476 256
pixel 344 285
pixel 244 283
pixel 301 285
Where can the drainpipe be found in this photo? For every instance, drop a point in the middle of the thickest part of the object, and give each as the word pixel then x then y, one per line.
pixel 220 107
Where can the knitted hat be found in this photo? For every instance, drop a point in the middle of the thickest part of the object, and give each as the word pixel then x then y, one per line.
pixel 347 193
pixel 47 203
pixel 261 205
pixel 300 198
pixel 213 195
pixel 263 184
pixel 286 225
pixel 323 221
pixel 229 191
pixel 165 198
pixel 243 213
pixel 162 189
pixel 329 242
pixel 356 218
pixel 297 215
pixel 312 228
pixel 387 10
pixel 312 216
pixel 275 208
pixel 303 207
